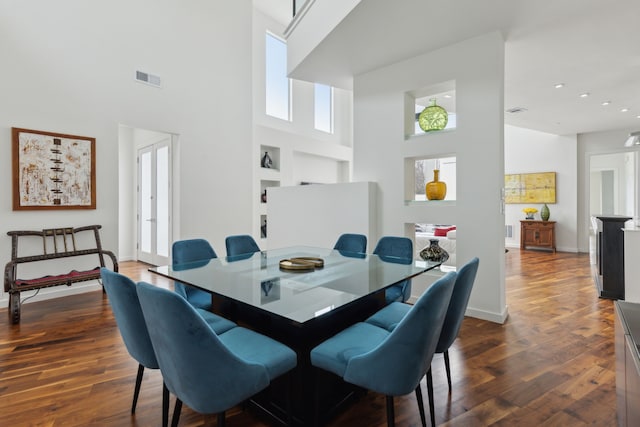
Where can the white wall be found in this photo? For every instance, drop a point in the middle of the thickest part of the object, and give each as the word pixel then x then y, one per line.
pixel 318 169
pixel 130 141
pixel 622 167
pixel 597 143
pixel 316 23
pixel 302 102
pixel 316 215
pixel 127 197
pixel 304 153
pixel 383 155
pixel 528 151
pixel 68 67
pixel 71 72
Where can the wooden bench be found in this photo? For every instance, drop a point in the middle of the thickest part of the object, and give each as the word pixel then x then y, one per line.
pixel 57 243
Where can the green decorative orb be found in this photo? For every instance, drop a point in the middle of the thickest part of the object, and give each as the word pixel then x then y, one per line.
pixel 433 117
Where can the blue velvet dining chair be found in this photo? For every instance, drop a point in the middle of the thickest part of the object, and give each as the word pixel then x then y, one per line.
pixel 390 362
pixel 121 292
pixel 190 250
pixel 389 317
pixel 399 249
pixel 239 245
pixel 354 243
pixel 207 371
pixel 123 298
pixel 455 313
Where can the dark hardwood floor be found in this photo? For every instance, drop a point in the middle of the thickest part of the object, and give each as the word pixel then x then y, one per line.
pixel 552 363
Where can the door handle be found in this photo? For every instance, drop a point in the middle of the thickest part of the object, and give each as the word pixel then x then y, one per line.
pixel 151 219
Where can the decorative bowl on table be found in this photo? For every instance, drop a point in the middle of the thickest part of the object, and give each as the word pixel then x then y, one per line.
pixel 301 264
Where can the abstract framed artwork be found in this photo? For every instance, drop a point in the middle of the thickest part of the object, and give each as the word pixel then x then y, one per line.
pixel 53 171
pixel 530 188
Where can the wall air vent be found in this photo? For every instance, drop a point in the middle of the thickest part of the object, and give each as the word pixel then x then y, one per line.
pixel 516 110
pixel 508 231
pixel 149 79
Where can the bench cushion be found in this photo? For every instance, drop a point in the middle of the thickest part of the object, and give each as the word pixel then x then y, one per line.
pixel 71 277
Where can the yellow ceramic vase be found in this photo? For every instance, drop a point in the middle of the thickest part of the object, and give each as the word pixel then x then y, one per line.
pixel 436 189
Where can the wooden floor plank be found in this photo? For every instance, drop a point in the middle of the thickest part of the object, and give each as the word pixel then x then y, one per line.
pixel 552 363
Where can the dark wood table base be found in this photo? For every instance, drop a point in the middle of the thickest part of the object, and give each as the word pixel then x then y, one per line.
pixel 307 383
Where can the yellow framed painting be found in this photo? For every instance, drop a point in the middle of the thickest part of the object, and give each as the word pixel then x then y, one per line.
pixel 530 187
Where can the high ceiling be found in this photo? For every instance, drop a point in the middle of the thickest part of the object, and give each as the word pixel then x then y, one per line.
pixel 591 46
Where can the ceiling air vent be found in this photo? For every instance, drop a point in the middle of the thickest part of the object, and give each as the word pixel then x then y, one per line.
pixel 149 79
pixel 516 110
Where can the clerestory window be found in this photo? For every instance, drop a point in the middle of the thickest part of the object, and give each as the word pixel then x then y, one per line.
pixel 278 85
pixel 323 107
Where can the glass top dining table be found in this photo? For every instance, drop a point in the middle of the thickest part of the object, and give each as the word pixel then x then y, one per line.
pixel 258 280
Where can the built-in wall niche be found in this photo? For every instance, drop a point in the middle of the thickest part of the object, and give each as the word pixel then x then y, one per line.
pixel 443 94
pixel 264 186
pixel 263 226
pixel 270 157
pixel 420 171
pixel 423 233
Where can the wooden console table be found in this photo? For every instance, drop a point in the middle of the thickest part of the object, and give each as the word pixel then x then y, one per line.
pixel 538 233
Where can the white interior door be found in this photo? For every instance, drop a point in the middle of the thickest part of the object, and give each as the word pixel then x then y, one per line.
pixel 154 203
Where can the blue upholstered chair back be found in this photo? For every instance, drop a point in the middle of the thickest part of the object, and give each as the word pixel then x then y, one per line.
pixel 196 366
pixel 355 243
pixel 458 305
pixel 241 244
pixel 191 250
pixel 400 248
pixel 126 309
pixel 396 366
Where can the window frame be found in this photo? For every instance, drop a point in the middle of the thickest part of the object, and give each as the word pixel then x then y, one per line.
pixel 331 109
pixel 275 110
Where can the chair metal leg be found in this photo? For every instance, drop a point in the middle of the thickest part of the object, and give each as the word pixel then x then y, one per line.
pixel 176 413
pixel 136 390
pixel 447 367
pixel 391 417
pixel 430 396
pixel 221 419
pixel 165 405
pixel 423 419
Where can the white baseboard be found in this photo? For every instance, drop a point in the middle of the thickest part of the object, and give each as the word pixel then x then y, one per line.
pixel 558 248
pixel 422 282
pixel 564 249
pixel 487 315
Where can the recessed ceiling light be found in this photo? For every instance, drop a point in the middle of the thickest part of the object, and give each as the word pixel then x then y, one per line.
pixel 624 110
pixel 638 116
pixel 559 85
pixel 447 96
pixel 584 95
pixel 605 103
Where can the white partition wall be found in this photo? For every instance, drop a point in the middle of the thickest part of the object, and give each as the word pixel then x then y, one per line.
pixel 385 151
pixel 315 215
